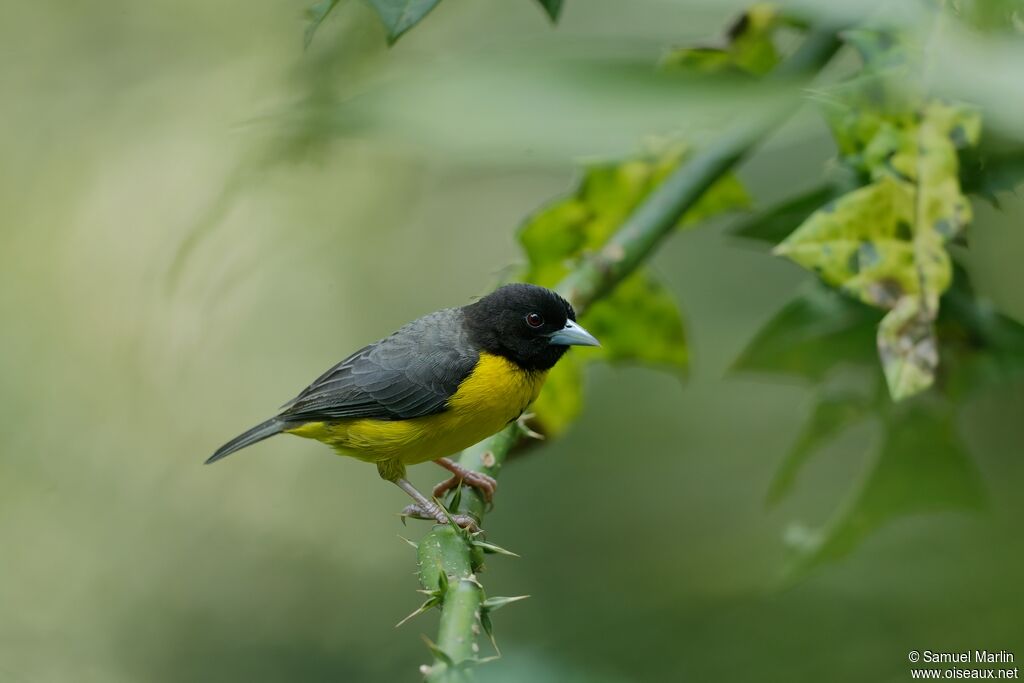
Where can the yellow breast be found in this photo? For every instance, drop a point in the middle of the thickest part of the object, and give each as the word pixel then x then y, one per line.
pixel 495 393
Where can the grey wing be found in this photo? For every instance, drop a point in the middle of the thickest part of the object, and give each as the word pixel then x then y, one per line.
pixel 409 374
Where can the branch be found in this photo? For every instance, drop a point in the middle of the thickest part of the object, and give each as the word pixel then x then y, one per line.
pixel 462 609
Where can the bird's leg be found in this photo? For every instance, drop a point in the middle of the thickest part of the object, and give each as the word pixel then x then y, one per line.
pixel 424 508
pixel 460 475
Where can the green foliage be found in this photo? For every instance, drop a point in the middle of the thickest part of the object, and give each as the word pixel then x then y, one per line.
pixel 876 234
pixel 315 16
pixel 553 8
pixel 811 336
pixel 654 334
pixel 995 168
pixel 638 321
pixel 774 224
pixel 561 400
pixel 921 464
pixel 748 46
pixel 992 15
pixel 398 16
pixel 885 243
pixel 831 415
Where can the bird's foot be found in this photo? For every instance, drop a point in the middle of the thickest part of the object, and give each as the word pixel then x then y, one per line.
pixel 435 512
pixel 483 483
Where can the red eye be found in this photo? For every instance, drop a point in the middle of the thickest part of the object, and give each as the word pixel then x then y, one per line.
pixel 534 320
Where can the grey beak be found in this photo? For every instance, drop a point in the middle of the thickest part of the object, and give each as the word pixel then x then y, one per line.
pixel 573 335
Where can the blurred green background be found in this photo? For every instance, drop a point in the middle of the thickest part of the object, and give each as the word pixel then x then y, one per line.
pixel 199 218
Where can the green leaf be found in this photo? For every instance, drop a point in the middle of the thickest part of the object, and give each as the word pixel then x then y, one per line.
pixel 316 15
pixel 561 400
pixel 991 173
pixel 556 236
pixel 775 223
pixel 981 348
pixel 726 195
pixel 748 46
pixel 553 8
pixel 639 321
pixel 399 16
pixel 831 415
pixel 922 467
pixel 879 49
pixel 811 336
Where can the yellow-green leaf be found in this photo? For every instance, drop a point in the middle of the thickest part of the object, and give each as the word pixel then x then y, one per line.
pixel 561 399
pixel 639 322
pixel 558 234
pixel 748 46
pixel 885 243
pixel 862 243
pixel 908 347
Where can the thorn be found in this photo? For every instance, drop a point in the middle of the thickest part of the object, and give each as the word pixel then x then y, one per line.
pixel 485 621
pixel 492 548
pixel 496 603
pixel 525 428
pixel 414 545
pixel 438 652
pixel 451 520
pixel 457 496
pixel 420 610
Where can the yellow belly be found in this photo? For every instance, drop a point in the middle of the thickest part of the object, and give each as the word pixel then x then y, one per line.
pixel 495 393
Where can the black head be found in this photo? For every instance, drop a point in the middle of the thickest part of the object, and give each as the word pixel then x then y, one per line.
pixel 530 325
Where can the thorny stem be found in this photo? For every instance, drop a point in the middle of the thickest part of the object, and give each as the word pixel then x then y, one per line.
pixel 633 243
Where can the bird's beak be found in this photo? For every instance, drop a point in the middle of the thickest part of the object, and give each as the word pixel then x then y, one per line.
pixel 573 335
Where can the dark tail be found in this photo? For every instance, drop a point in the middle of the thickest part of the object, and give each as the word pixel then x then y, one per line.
pixel 261 431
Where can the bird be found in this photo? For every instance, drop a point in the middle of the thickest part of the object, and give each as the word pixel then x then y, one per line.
pixel 436 386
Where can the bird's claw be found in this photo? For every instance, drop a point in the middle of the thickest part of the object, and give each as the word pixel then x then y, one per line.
pixel 440 515
pixel 483 483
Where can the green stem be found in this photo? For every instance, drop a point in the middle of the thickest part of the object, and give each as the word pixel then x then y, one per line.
pixel 634 242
